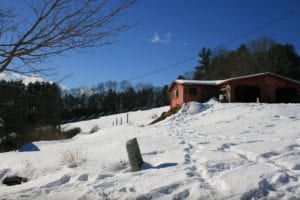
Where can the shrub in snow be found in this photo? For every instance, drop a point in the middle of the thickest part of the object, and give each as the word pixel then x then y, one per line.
pixel 94 129
pixel 72 158
pixel 72 132
pixel 26 163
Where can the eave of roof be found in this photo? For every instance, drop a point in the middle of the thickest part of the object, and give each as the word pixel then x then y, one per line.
pixel 219 82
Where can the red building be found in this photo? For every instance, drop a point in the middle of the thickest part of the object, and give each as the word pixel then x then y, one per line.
pixel 265 87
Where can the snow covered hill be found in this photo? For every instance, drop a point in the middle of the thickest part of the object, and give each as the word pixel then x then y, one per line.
pixel 205 151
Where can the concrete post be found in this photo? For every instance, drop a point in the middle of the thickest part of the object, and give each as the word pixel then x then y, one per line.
pixel 134 155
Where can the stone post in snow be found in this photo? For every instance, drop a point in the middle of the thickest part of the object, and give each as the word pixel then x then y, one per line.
pixel 134 155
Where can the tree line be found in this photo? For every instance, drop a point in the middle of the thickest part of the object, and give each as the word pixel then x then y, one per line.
pixel 25 107
pixel 261 55
pixel 112 97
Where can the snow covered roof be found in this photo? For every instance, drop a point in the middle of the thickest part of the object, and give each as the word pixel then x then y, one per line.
pixel 199 82
pixel 218 82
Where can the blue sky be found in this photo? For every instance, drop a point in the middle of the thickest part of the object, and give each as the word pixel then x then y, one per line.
pixel 173 30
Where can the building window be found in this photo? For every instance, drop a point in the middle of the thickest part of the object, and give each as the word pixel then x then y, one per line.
pixel 185 90
pixel 176 93
pixel 193 91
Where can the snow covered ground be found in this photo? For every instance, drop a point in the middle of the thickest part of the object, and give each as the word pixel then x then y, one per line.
pixel 205 151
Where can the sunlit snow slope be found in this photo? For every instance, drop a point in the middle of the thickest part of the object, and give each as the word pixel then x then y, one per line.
pixel 205 151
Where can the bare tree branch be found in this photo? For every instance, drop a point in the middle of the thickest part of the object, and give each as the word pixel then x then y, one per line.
pixel 58 26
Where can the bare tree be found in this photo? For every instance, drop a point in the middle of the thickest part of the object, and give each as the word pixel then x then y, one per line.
pixel 57 26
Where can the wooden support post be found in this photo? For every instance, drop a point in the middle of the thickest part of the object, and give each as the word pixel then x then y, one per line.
pixel 134 155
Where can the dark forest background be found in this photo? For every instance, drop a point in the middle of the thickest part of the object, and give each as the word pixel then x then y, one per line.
pixel 261 55
pixel 45 104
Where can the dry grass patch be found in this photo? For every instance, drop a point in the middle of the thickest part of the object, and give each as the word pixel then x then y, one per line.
pixel 72 158
pixel 164 115
pixel 94 129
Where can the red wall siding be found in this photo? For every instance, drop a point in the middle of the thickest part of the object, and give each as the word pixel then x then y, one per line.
pixel 175 101
pixel 267 85
pixel 188 97
pixel 185 97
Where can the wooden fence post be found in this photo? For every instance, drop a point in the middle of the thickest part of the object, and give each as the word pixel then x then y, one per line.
pixel 134 155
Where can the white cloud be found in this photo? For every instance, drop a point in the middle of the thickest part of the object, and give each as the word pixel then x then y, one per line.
pixel 156 38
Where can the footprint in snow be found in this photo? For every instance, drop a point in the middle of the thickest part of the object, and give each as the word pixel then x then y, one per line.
pixel 191 171
pixel 182 195
pixel 261 192
pixel 190 146
pixel 190 174
pixel 104 176
pixel 296 167
pixel 204 143
pixel 252 141
pixel 157 193
pixel 282 178
pixel 63 180
pixel 104 185
pixel 270 125
pixel 270 154
pixel 246 131
pixel 223 147
pixel 182 142
pixel 187 158
pixel 125 189
pixel 193 168
pixel 83 177
pixel 293 147
pixel 168 189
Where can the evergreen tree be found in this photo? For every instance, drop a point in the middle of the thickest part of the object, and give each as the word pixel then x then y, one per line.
pixel 203 66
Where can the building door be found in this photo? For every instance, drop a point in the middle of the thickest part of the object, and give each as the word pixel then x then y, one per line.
pixel 246 93
pixel 286 95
